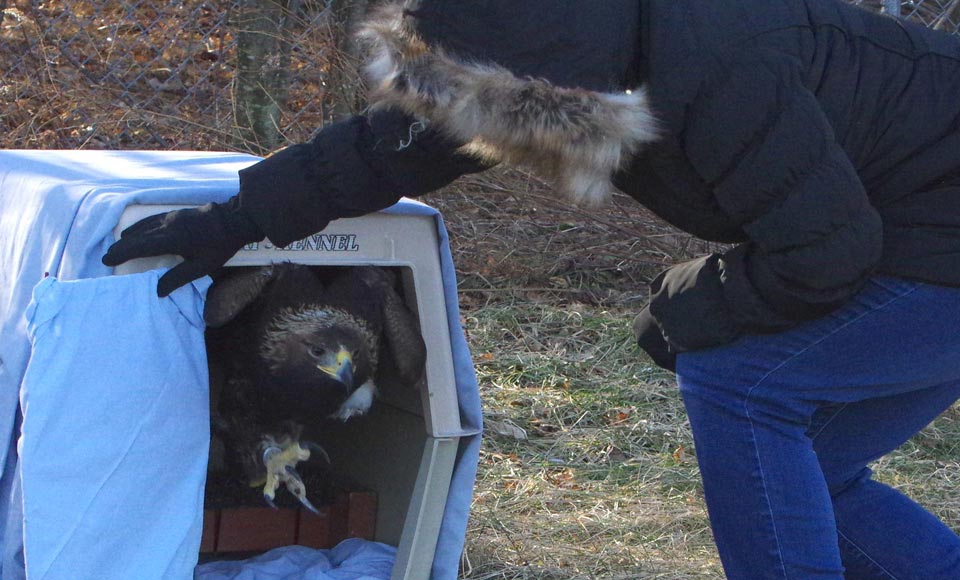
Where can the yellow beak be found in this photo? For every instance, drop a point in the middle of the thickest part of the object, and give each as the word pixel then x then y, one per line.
pixel 342 369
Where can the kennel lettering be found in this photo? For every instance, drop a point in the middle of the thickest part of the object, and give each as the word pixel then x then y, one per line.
pixel 316 242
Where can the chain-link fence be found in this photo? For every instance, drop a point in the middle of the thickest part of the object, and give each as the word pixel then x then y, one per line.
pixel 199 74
pixel 938 14
pixel 162 74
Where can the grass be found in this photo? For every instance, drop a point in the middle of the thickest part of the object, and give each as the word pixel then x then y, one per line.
pixel 587 469
pixel 927 468
pixel 599 482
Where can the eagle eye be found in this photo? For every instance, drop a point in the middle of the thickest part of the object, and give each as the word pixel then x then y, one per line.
pixel 317 352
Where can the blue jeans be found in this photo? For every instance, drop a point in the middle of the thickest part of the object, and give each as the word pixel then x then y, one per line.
pixel 786 424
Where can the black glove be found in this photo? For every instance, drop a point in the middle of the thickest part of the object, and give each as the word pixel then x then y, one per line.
pixel 688 304
pixel 651 340
pixel 206 237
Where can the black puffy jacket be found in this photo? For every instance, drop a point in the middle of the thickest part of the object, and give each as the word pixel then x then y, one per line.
pixel 822 139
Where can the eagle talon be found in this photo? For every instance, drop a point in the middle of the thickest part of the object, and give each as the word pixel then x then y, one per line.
pixel 297 488
pixel 269 501
pixel 272 482
pixel 269 453
pixel 281 464
pixel 315 448
pixel 306 503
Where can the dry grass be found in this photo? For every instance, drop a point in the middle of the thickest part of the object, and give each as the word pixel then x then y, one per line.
pixel 599 482
pixel 512 235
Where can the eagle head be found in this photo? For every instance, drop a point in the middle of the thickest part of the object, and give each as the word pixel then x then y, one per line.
pixel 315 358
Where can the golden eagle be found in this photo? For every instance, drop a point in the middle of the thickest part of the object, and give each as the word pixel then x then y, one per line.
pixel 295 350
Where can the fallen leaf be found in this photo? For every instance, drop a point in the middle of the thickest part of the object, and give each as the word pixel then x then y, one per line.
pixel 679 455
pixel 506 428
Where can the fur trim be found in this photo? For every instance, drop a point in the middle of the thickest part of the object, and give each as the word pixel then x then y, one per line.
pixel 574 137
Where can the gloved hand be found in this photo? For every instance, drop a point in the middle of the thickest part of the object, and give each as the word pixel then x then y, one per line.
pixel 651 340
pixel 206 237
pixel 687 301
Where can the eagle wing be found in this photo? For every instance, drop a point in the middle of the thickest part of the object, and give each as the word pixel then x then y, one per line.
pixel 402 336
pixel 231 294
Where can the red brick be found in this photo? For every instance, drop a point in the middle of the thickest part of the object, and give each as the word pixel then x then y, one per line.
pixel 256 529
pixel 208 539
pixel 362 515
pixel 314 531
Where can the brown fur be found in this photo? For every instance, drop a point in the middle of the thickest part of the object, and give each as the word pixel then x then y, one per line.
pixel 574 137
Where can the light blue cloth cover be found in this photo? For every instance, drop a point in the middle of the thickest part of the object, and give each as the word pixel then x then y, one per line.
pixel 104 460
pixel 349 560
pixel 115 429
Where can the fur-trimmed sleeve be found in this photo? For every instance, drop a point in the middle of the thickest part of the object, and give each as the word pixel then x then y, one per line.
pixel 351 168
pixel 575 137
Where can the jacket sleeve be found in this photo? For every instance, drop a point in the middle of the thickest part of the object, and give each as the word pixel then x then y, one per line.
pixel 760 139
pixel 351 168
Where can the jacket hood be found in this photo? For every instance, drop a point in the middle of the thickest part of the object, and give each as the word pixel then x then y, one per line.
pixel 567 42
pixel 485 75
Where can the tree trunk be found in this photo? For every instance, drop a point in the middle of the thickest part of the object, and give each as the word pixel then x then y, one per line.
pixel 345 81
pixel 263 54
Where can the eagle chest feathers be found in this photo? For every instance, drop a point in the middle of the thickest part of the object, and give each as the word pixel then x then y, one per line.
pixel 296 351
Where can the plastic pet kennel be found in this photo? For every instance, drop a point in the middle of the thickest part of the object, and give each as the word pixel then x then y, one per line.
pixel 103 389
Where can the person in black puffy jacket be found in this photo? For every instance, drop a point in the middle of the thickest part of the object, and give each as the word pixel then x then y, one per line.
pixel 820 140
